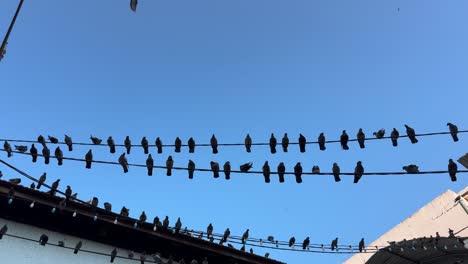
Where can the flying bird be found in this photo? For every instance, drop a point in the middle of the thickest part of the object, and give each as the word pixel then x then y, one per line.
pixel 281 171
pixel 133 5
pixel 336 172
pixel 150 165
pixel 334 244
pixel 191 145
pixel 321 141
pixel 166 222
pixel 411 169
pixel 209 230
pixel 411 134
pixel 143 217
pixel 227 170
pixel 177 144
pixel 245 236
pixel 21 149
pixel 298 172
pixel 248 143
pixel 361 245
pixel 46 154
pixel 78 247
pixel 246 167
pixel 69 142
pixel 292 241
pixel 113 255
pixel 111 144
pixel 191 169
pixel 273 143
pixel 33 152
pixel 358 172
pixel 453 131
pixel 59 156
pixel 7 148
pixel 89 159
pixel 128 144
pixel 302 143
pixel 361 137
pixel 452 169
pixel 42 179
pixel 306 243
pixel 215 169
pixel 169 165
pixel 285 142
pixel 379 134
pixel 95 140
pixel 214 144
pixel 41 140
pixel 123 162
pixel 159 145
pixel 266 172
pixel 344 140
pixel 394 136
pixel 145 145
pixel 53 140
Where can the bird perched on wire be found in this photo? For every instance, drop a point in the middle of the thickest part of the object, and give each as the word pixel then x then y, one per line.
pixel 21 149
pixel 285 142
pixel 292 241
pixel 178 225
pixel 158 143
pixel 53 140
pixel 248 143
pixel 271 239
pixel 95 140
pixel 59 156
pixel 215 169
pixel 41 140
pixel 145 145
pixel 411 134
pixel 54 187
pixel 394 137
pixel 42 179
pixel 177 144
pixel 191 145
pixel 111 144
pixel 361 245
pixel 411 169
pixel 169 165
pixel 133 5
pixel 246 167
pixel 214 144
pixel 344 138
pixel 191 169
pixel 306 243
pixel 128 144
pixel 273 143
pixel 302 143
pixel 209 230
pixel 46 154
pixel 69 142
pixel 358 172
pixel 281 171
pixel 379 134
pixel 453 131
pixel 245 236
pixel 108 206
pixel 266 172
pixel 166 222
pixel 143 217
pixel 89 159
pixel 123 162
pixel 227 170
pixel 316 170
pixel 321 141
pixel 68 192
pixel 7 148
pixel 334 244
pixel 33 152
pixel 452 169
pixel 361 137
pixel 226 234
pixel 78 247
pixel 150 165
pixel 298 172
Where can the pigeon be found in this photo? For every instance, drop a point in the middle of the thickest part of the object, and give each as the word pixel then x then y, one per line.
pixel 177 144
pixel 209 230
pixel 128 144
pixel 285 142
pixel 214 144
pixel 334 244
pixel 157 222
pixel 191 145
pixel 78 247
pixel 41 140
pixel 95 202
pixel 251 250
pixel 453 131
pixel 46 154
pixel 42 179
pixel 358 172
pixel 159 145
pixel 95 140
pixel 271 239
pixel 411 134
pixel 227 170
pixel 248 143
pixel 143 217
pixel 69 142
pixel 89 159
pixel 302 143
pixel 215 169
pixel 54 187
pixel 7 148
pixel 123 162
pixel 33 152
pixel 292 241
pixel 145 145
pixel 59 156
pixel 32 186
pixel 68 192
pixel 43 239
pixel 344 140
pixel 15 181
pixel 306 243
pixel 336 172
pixel 124 211
pixel 379 134
pixel 226 235
pixel 321 141
pixel 242 248
pixel 361 137
pixel 169 165
pixel 111 144
pixel 108 206
pixel 267 255
pixel 113 255
pixel 166 222
pixel 245 236
pixel 21 149
pixel 133 5
pixel 178 225
pixel 273 143
pixel 361 245
pixel 411 169
pixel 246 167
pixel 298 172
pixel 394 136
pixel 452 169
pixel 315 170
pixel 191 169
pixel 150 165
pixel 53 140
pixel 281 171
pixel 266 172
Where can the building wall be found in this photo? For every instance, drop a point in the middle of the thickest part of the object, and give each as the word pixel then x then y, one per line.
pixel 18 251
pixel 439 215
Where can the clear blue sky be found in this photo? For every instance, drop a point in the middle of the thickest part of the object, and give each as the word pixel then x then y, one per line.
pixel 194 68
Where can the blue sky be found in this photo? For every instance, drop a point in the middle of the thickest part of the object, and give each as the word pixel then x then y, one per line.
pixel 194 68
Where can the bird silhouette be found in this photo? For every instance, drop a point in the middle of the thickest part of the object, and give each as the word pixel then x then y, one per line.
pixel 336 172
pixel 108 206
pixel 191 169
pixel 42 179
pixel 113 255
pixel 246 167
pixel 89 159
pixel 54 187
pixel 214 144
pixel 245 236
pixel 41 140
pixel 46 154
pixel 411 169
pixel 358 172
pixel 248 143
pixel 145 145
pixel 95 202
pixel 209 230
pixel 273 143
pixel 59 156
pixel 226 235
pixel 111 144
pixel 177 144
pixel 166 222
pixel 334 244
pixel 321 141
pixel 306 243
pixel 128 144
pixel 316 170
pixel 281 171
pixel 123 162
pixel 21 149
pixel 215 169
pixel 298 172
pixel 379 134
pixel 32 186
pixel 124 211
pixel 191 145
pixel 227 170
pixel 53 140
pixel 411 134
pixel 33 152
pixel 178 225
pixel 302 143
pixel 361 137
pixel 133 7
pixel 68 192
pixel 452 169
pixel 78 247
pixel 266 172
pixel 394 136
pixel 143 217
pixel 453 131
pixel 159 145
pixel 14 181
pixel 7 148
pixel 150 165
pixel 344 140
pixel 285 142
pixel 361 245
pixel 43 239
pixel 69 142
pixel 95 140
pixel 169 165
pixel 292 241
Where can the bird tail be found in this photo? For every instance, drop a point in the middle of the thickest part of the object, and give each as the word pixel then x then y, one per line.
pixel 88 165
pixel 394 142
pixel 281 178
pixel 190 174
pixel 60 162
pixel 76 251
pixel 169 172
pixel 414 140
pixel 215 150
pixel 70 148
pixel 34 158
pixel 38 186
pixel 285 149
pixel 298 179
pixel 248 149
pixel 9 154
pixel 356 179
pixel 150 172
pixel 273 150
pixel 455 137
pixel 159 150
pixel 322 147
pixel 112 149
pixel 216 174
pixel 337 178
pixel 146 150
pixel 345 146
pixel 453 178
pixel 46 161
pixel 128 150
pixel 361 145
pixel 125 169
